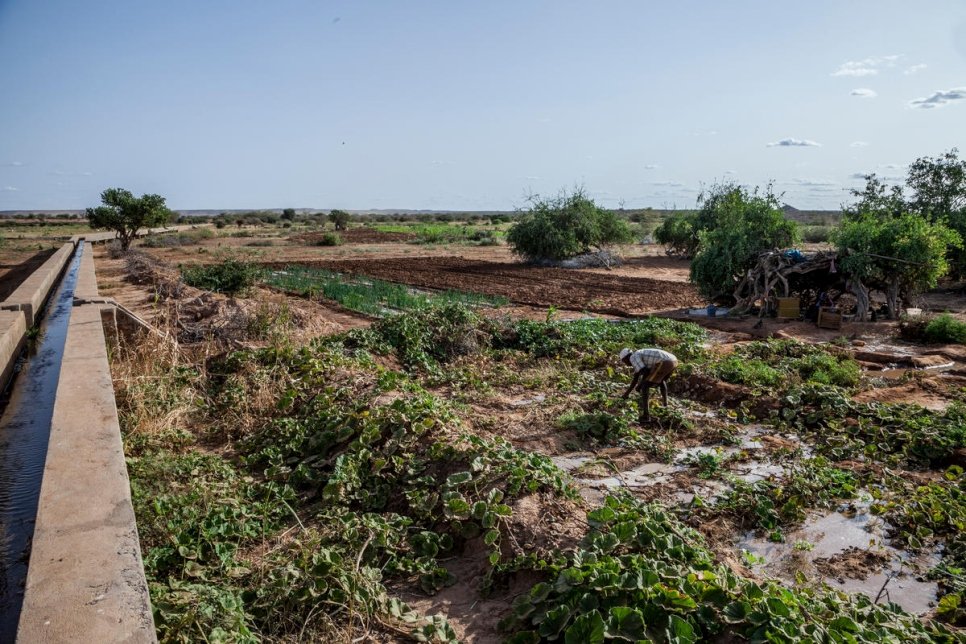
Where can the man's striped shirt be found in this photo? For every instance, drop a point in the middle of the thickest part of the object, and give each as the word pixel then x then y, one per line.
pixel 644 359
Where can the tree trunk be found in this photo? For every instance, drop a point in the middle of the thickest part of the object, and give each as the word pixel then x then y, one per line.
pixel 124 237
pixel 861 294
pixel 892 298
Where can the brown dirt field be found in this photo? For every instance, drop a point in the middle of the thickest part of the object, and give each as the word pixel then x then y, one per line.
pixel 16 266
pixel 214 312
pixel 531 285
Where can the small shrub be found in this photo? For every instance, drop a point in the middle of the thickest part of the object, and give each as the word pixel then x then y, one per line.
pixel 329 239
pixel 945 329
pixel 231 276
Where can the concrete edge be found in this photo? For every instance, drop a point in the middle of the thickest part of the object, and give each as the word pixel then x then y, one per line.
pixel 34 291
pixel 86 577
pixel 86 286
pixel 13 335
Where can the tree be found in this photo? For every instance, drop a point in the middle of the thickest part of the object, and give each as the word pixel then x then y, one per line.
pixel 734 227
pixel 340 218
pixel 678 235
pixel 901 256
pixel 938 187
pixel 288 214
pixel 877 198
pixel 126 214
pixel 565 226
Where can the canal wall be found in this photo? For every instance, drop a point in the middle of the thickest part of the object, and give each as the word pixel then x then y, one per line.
pixel 13 334
pixel 33 292
pixel 85 580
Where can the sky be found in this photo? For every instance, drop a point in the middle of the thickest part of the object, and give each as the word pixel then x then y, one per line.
pixel 470 105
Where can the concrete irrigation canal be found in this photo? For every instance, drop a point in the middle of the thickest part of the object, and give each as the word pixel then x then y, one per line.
pixel 70 563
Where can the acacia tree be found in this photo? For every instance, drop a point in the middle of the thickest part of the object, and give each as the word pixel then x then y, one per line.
pixel 340 218
pixel 565 226
pixel 735 227
pixel 125 214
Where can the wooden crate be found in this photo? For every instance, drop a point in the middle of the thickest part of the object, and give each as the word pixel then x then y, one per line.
pixel 829 318
pixel 789 307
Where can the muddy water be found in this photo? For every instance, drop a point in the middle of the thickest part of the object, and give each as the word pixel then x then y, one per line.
pixel 831 535
pixel 24 430
pixel 827 536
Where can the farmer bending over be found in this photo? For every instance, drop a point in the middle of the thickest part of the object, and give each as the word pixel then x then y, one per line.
pixel 652 367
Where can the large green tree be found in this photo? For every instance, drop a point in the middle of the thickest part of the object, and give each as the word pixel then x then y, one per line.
pixel 565 226
pixel 126 214
pixel 736 225
pixel 900 255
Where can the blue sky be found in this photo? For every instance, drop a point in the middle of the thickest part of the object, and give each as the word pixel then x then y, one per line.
pixel 253 104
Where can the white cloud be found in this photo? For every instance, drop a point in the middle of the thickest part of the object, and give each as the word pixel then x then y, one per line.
pixel 730 172
pixel 865 67
pixel 672 184
pixel 811 182
pixel 14 164
pixel 651 166
pixel 912 69
pixel 939 98
pixel 863 92
pixel 858 144
pixel 794 143
pixel 9 189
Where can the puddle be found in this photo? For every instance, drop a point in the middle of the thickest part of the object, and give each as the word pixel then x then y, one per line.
pixel 525 402
pixel 570 462
pixel 836 534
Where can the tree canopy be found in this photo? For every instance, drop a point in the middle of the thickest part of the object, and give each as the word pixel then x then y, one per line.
pixel 126 214
pixel 900 255
pixel 734 226
pixel 340 218
pixel 565 226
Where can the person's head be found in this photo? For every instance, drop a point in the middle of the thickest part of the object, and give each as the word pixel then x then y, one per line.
pixel 625 355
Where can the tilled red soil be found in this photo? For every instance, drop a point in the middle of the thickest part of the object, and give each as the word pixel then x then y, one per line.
pixel 524 284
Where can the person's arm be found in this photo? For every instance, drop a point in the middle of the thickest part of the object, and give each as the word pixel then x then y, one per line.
pixel 637 376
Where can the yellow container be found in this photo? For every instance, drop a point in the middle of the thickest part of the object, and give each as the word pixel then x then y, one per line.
pixel 789 307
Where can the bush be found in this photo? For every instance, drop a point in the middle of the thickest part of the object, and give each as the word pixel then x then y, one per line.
pixel 329 239
pixel 816 234
pixel 735 227
pixel 565 226
pixel 231 276
pixel 945 329
pixel 678 235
